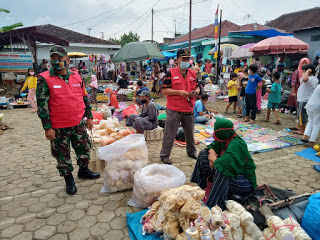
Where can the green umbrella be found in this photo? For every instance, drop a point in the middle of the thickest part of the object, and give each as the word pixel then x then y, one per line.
pixel 136 51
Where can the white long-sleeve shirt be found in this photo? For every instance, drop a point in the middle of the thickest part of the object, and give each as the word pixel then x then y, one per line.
pixel 313 104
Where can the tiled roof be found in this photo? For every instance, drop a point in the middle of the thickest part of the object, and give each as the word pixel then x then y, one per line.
pixel 297 20
pixel 71 36
pixel 226 27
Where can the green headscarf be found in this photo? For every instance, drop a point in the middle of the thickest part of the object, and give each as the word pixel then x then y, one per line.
pixel 233 155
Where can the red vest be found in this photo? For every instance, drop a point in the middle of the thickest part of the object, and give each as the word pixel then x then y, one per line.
pixel 66 103
pixel 176 102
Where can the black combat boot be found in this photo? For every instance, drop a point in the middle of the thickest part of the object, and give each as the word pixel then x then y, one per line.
pixel 70 185
pixel 86 173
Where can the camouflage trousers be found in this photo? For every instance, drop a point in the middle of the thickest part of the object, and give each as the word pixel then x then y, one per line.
pixel 60 147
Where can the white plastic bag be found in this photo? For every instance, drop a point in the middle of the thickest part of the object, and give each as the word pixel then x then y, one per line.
pixel 151 180
pixel 123 159
pixel 105 111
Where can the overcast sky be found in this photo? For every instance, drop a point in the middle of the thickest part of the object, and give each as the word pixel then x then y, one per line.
pixel 135 15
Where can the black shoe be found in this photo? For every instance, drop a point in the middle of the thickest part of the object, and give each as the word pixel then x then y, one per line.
pixel 166 161
pixel 86 173
pixel 193 156
pixel 70 185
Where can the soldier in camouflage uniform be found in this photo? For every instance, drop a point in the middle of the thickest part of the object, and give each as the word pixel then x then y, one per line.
pixel 62 105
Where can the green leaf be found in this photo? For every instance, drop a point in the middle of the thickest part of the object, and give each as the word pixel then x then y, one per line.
pixel 11 27
pixel 3 10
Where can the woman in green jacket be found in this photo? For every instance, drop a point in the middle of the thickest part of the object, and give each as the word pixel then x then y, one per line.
pixel 230 164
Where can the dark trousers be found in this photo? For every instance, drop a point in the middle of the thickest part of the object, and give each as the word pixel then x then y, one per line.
pixel 110 75
pixel 173 121
pixel 251 105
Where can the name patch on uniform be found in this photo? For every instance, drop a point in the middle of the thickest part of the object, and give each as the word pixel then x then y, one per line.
pixel 76 85
pixel 175 78
pixel 191 78
pixel 56 86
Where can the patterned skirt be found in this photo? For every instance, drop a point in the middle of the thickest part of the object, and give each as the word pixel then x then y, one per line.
pixel 223 186
pixel 93 96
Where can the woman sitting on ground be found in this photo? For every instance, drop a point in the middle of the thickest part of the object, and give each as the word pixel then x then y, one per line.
pixel 113 98
pixel 228 160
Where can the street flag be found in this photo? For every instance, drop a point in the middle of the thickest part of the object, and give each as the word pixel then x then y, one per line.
pixel 216 32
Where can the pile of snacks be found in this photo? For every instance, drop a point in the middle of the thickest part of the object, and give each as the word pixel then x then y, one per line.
pixel 284 229
pixel 180 214
pixel 249 229
pixel 108 131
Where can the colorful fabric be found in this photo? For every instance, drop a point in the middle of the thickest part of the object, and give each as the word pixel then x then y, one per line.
pixel 60 147
pixel 258 139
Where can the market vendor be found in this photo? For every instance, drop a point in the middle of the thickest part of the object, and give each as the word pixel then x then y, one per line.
pixel 62 106
pixel 113 98
pixel 181 87
pixel 230 164
pixel 140 88
pixel 201 113
pixel 123 82
pixel 148 119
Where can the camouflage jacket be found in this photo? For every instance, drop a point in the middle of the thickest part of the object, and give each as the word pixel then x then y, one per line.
pixel 43 96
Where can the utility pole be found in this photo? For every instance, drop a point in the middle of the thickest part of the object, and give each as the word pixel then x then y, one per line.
pixel 218 58
pixel 190 26
pixel 102 35
pixel 152 25
pixel 89 29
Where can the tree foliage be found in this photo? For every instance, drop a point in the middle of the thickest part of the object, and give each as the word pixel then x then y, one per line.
pixel 10 27
pixel 126 38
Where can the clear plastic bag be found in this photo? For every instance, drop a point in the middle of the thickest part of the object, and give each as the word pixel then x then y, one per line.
pixel 123 159
pixel 151 180
pixel 105 111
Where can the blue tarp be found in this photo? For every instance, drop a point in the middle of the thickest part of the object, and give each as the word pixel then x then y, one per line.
pixel 135 227
pixel 310 154
pixel 262 33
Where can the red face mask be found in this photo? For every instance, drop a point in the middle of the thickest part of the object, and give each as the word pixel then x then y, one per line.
pixel 227 141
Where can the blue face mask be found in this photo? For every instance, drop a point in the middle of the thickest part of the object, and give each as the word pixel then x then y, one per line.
pixel 184 65
pixel 241 64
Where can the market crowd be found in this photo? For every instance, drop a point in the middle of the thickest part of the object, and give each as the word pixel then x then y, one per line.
pixel 60 88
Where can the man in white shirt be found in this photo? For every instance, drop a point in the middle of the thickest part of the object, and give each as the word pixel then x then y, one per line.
pixel 111 70
pixel 308 83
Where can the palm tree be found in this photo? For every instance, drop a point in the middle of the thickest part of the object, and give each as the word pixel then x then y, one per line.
pixel 11 27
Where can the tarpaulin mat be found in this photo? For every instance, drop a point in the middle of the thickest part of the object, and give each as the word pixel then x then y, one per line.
pixel 310 154
pixel 135 227
pixel 258 139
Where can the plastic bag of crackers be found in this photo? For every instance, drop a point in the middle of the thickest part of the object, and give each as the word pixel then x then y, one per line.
pixel 180 214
